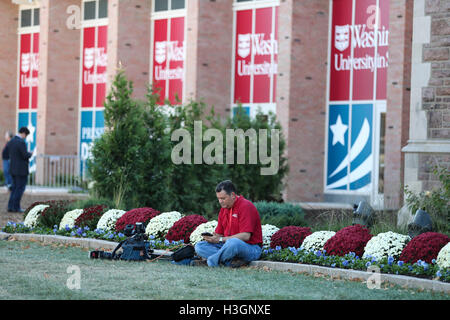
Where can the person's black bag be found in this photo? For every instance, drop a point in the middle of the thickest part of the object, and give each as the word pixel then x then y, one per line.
pixel 186 252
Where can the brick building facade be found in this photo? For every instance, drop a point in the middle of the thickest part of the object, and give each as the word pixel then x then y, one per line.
pixel 364 109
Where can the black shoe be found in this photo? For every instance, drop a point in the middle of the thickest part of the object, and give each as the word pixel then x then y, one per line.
pixel 237 263
pixel 198 263
pixel 9 210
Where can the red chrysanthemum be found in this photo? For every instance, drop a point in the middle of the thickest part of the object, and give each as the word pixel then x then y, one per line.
pixel 90 216
pixel 143 215
pixel 349 239
pixel 425 247
pixel 182 229
pixel 290 236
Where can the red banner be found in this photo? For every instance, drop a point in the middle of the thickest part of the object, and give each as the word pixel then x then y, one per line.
pixel 363 36
pixel 243 56
pixel 168 59
pixel 359 45
pixel 29 70
pixel 340 50
pixel 256 55
pixel 94 66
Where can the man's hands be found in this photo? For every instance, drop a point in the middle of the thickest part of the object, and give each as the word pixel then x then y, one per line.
pixel 244 236
pixel 213 239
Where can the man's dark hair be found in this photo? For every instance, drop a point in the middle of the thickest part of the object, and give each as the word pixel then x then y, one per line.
pixel 24 130
pixel 226 186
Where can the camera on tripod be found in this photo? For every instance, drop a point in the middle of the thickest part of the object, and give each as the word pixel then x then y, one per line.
pixel 135 247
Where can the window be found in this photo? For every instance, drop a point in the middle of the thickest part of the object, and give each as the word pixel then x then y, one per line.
pixel 95 9
pixel 165 5
pixel 29 17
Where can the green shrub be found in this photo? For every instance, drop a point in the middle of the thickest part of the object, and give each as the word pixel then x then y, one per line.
pixel 280 214
pixel 132 161
pixel 90 202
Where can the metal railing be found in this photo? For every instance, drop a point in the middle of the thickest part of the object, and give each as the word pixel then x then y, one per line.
pixel 57 171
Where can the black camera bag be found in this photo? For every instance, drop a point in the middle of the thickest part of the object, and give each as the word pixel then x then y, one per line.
pixel 186 252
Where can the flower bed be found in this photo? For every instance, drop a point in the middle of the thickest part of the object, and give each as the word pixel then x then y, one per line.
pixel 384 245
pixel 68 220
pixel 349 239
pixel 108 220
pixel 443 258
pixel 182 229
pixel 31 220
pixel 268 231
pixel 143 215
pixel 290 236
pixel 353 247
pixel 196 235
pixel 160 225
pixel 317 240
pixel 425 246
pixel 90 216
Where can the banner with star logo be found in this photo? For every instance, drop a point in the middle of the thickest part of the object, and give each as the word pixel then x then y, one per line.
pixel 350 161
pixel 359 58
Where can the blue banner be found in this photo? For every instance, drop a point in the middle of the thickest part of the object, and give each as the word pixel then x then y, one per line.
pixel 350 160
pixel 88 133
pixel 29 119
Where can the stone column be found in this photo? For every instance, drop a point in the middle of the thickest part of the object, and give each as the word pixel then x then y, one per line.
pixel 429 141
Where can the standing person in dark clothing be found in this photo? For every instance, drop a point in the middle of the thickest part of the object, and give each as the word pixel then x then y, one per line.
pixel 5 158
pixel 19 158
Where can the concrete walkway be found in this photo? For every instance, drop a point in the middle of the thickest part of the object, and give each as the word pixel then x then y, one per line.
pixel 334 273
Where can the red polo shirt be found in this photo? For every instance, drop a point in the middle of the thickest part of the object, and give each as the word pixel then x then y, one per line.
pixel 242 217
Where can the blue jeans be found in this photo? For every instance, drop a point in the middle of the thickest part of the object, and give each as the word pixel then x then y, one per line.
pixel 17 190
pixel 217 254
pixel 8 178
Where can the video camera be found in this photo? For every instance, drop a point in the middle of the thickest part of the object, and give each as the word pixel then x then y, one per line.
pixel 136 247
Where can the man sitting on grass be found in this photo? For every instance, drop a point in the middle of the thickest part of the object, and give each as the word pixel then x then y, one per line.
pixel 237 239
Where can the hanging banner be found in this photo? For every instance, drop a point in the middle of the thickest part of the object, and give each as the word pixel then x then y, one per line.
pixel 29 119
pixel 168 59
pixel 350 151
pixel 358 73
pixel 28 90
pixel 256 54
pixel 93 90
pixel 95 61
pixel 29 70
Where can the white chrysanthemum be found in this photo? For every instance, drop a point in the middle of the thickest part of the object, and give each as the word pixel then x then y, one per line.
pixel 443 258
pixel 160 225
pixel 33 215
pixel 196 235
pixel 316 240
pixel 108 220
pixel 267 231
pixel 69 218
pixel 384 245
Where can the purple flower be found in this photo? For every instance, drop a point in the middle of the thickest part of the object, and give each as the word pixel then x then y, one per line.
pixel 390 260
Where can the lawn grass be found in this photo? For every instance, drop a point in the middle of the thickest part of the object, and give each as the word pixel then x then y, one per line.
pixel 31 270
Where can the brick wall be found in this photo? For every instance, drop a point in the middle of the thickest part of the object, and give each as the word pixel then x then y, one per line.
pixel 8 67
pixel 57 121
pixel 307 99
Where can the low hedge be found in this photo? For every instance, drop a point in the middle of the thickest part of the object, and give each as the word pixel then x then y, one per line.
pixel 280 214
